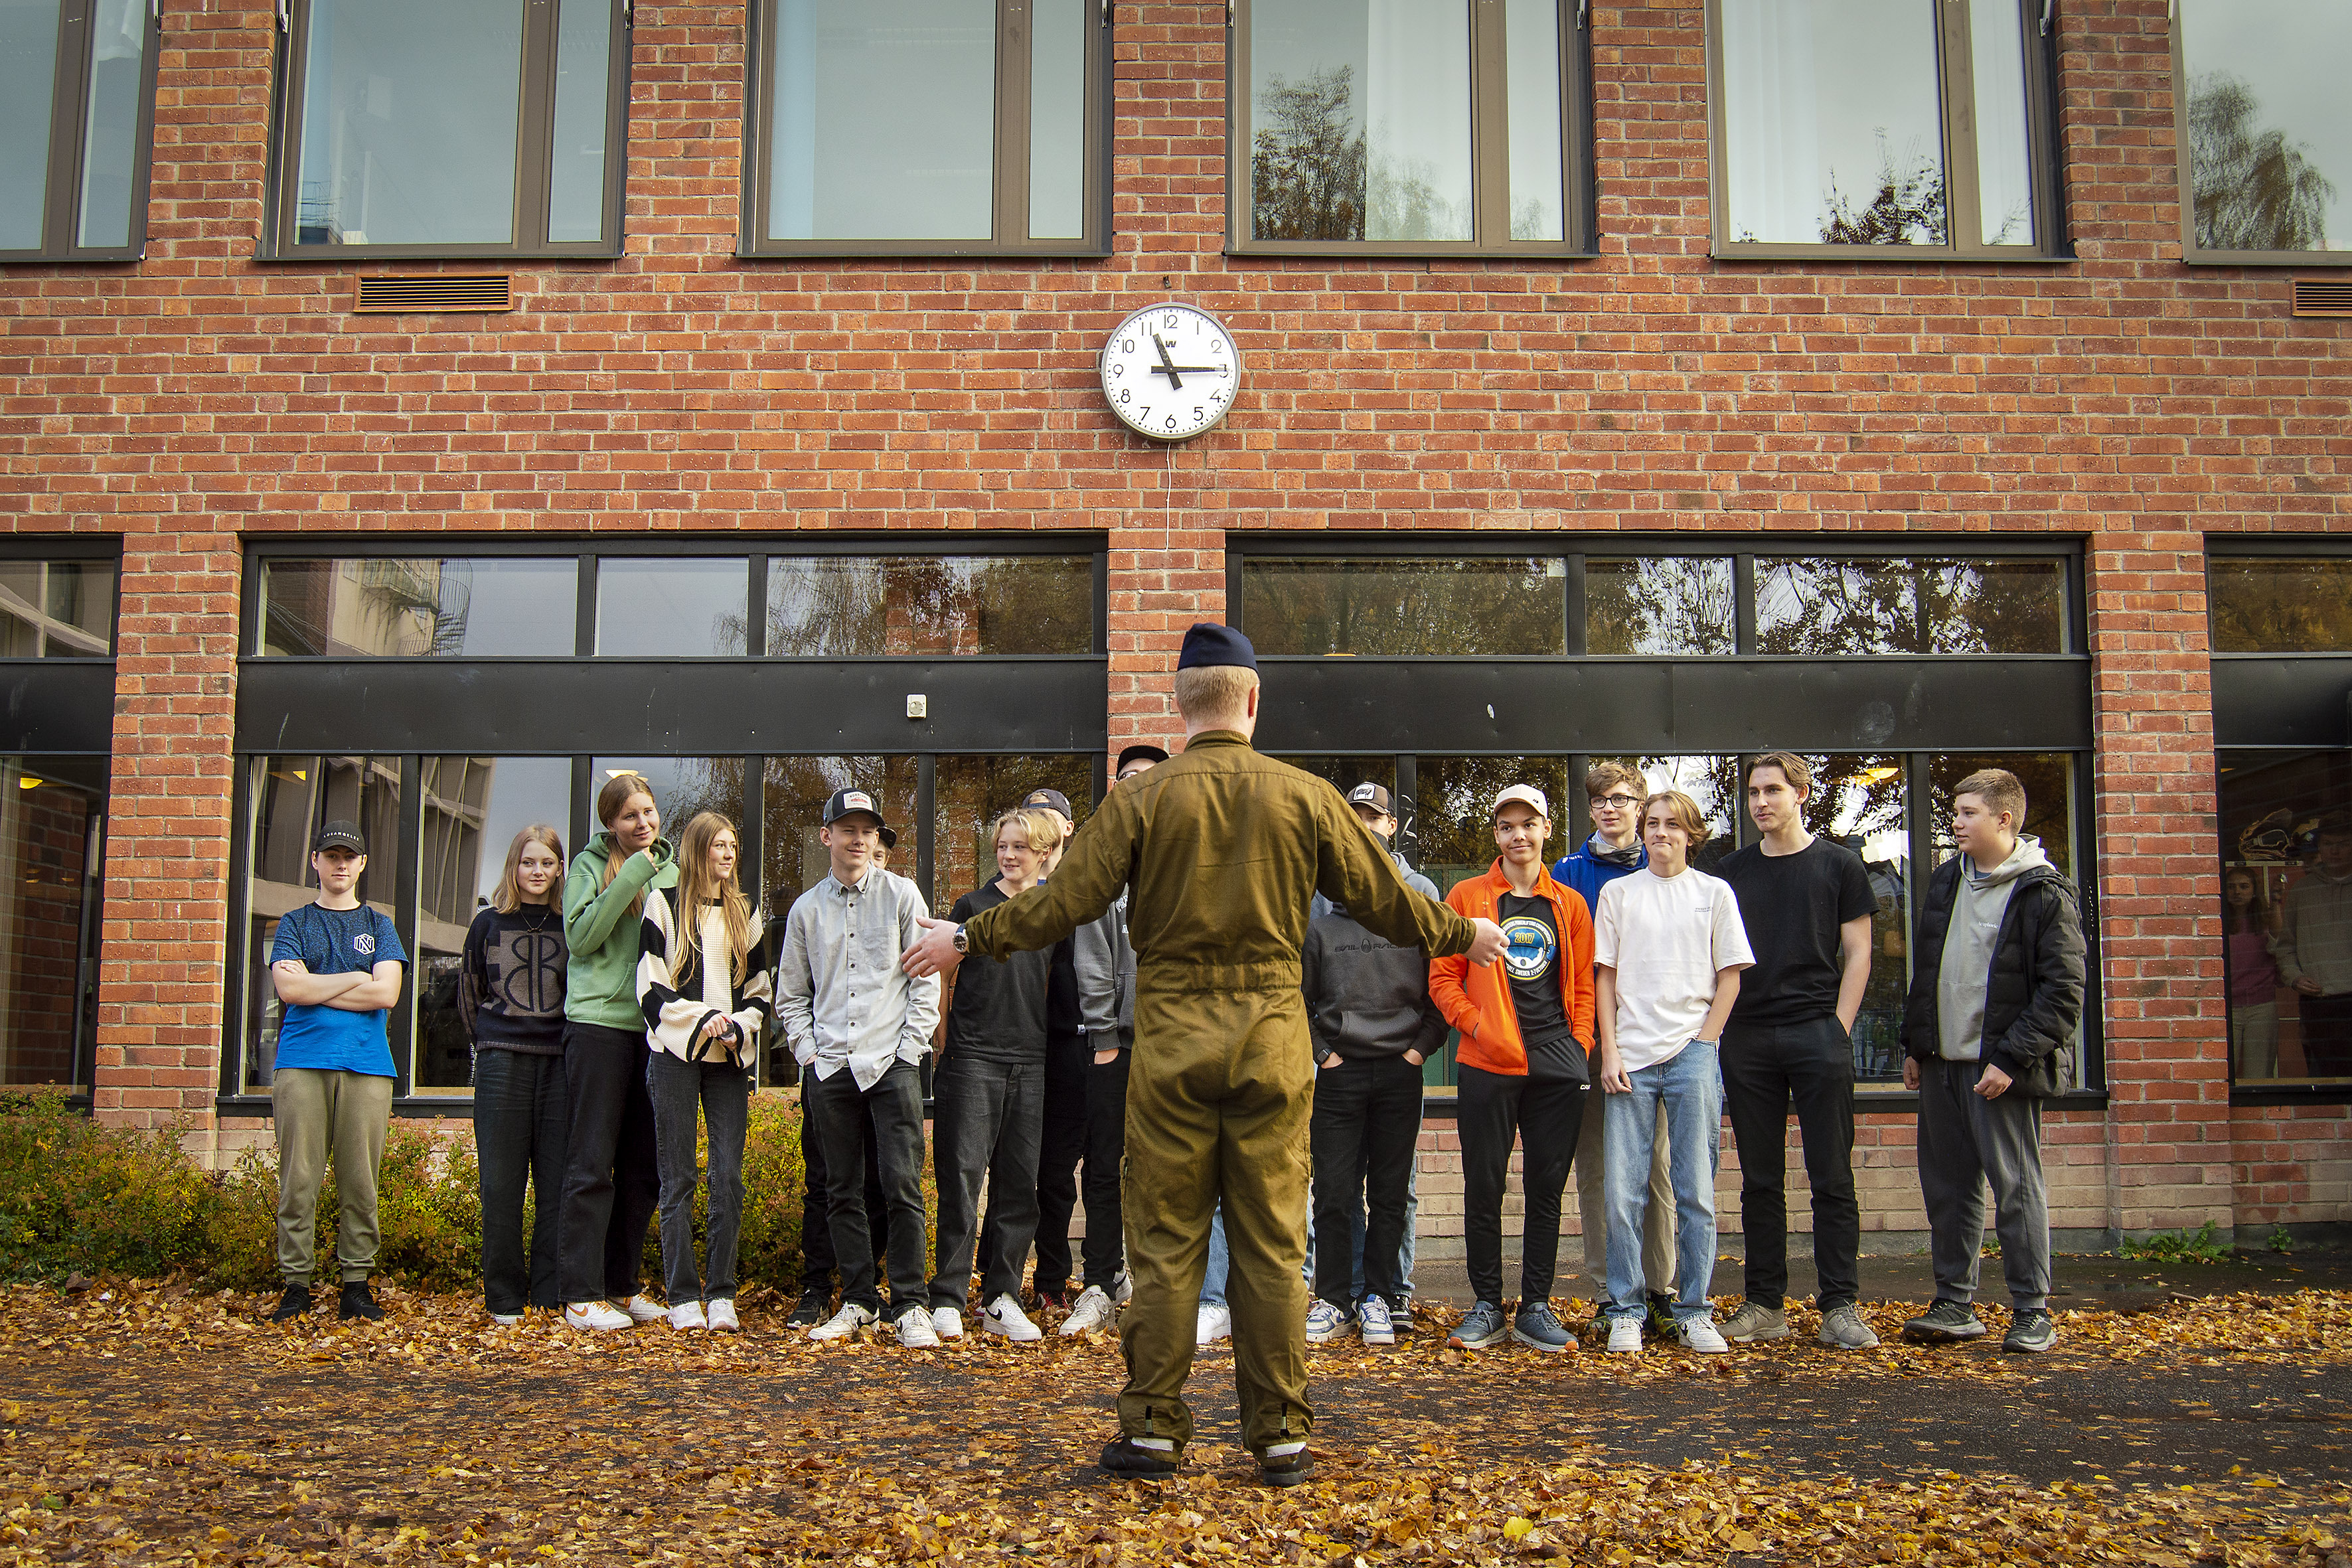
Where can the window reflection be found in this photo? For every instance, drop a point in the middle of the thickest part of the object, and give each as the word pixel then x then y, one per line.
pixel 52 815
pixel 969 792
pixel 420 608
pixel 57 609
pixel 2281 603
pixel 1057 133
pixel 583 73
pixel 1661 604
pixel 1714 784
pixel 110 164
pixel 409 121
pixel 682 787
pixel 884 120
pixel 2004 134
pixel 1531 64
pixel 1860 800
pixel 931 606
pixel 679 606
pixel 1864 605
pixel 2269 123
pixel 28 69
pixel 2286 914
pixel 1360 120
pixel 796 788
pixel 1454 807
pixel 1461 606
pixel 2049 780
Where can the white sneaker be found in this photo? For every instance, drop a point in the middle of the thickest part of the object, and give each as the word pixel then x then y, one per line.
pixel 1625 1336
pixel 723 1319
pixel 1093 1311
pixel 1004 1316
pixel 646 1309
pixel 688 1315
pixel 843 1323
pixel 1216 1323
pixel 1701 1335
pixel 914 1329
pixel 599 1317
pixel 947 1322
pixel 1324 1322
pixel 1374 1322
pixel 505 1320
pixel 1122 1289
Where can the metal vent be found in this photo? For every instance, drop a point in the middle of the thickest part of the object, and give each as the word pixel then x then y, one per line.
pixel 2321 297
pixel 435 293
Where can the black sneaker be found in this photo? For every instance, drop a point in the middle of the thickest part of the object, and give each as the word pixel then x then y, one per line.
pixel 1660 1322
pixel 814 1308
pixel 1128 1462
pixel 2031 1332
pixel 359 1302
pixel 295 1302
pixel 1285 1469
pixel 1947 1322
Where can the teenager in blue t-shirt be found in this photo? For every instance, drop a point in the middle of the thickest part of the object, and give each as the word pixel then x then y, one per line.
pixel 335 965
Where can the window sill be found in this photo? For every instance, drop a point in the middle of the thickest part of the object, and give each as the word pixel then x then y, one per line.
pixel 1890 255
pixel 1344 250
pixel 2331 1091
pixel 2310 259
pixel 913 250
pixel 379 254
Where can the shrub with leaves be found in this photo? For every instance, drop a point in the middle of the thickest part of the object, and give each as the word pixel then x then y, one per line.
pixel 2202 1245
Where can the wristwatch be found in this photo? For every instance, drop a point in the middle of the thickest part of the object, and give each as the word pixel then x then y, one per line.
pixel 963 943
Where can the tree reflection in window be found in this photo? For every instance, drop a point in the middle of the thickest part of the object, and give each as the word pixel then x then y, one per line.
pixel 1659 605
pixel 929 606
pixel 1462 607
pixel 2253 189
pixel 2282 605
pixel 1904 604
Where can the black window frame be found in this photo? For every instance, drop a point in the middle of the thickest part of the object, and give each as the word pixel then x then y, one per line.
pixel 302 705
pixel 1512 705
pixel 1489 144
pixel 534 131
pixel 2191 253
pixel 1955 76
pixel 68 120
pixel 1008 158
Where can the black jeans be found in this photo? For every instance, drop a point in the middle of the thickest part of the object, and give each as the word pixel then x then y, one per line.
pixel 889 1118
pixel 612 1182
pixel 521 1124
pixel 1365 1125
pixel 816 1212
pixel 985 1121
pixel 1061 1144
pixel 723 1091
pixel 1106 1243
pixel 1493 1109
pixel 1764 1068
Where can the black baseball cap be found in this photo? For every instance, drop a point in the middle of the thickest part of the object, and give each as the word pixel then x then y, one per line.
pixel 889 839
pixel 1050 800
pixel 340 835
pixel 1142 749
pixel 849 801
pixel 1371 797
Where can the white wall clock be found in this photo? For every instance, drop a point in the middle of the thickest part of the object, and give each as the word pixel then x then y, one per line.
pixel 1171 372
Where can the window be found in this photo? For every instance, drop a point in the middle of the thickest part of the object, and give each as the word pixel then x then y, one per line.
pixel 2264 131
pixel 418 607
pixel 57 609
pixel 672 607
pixel 76 122
pixel 2286 854
pixel 452 128
pixel 1405 127
pixel 52 839
pixel 946 127
pixel 971 793
pixel 1910 604
pixel 1455 606
pixel 1898 128
pixel 2281 603
pixel 1659 605
pixel 931 606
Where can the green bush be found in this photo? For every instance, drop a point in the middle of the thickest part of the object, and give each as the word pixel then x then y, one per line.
pixel 75 1195
pixel 2202 1245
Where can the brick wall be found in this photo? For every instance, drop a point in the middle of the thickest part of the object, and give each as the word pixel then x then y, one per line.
pixel 198 399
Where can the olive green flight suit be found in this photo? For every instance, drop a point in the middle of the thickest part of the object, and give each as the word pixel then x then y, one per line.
pixel 1223 849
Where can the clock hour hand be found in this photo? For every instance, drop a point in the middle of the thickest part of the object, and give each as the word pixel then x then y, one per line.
pixel 1167 366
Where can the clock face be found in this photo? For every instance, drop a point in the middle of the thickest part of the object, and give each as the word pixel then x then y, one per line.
pixel 1171 372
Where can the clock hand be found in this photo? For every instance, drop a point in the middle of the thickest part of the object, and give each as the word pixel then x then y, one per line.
pixel 1200 369
pixel 1167 365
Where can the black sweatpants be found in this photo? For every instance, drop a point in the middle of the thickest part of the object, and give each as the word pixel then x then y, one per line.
pixel 1106 1243
pixel 612 1184
pixel 1494 1109
pixel 816 1215
pixel 1764 1068
pixel 1365 1125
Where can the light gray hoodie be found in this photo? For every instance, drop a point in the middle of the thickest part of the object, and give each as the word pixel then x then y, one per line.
pixel 1977 905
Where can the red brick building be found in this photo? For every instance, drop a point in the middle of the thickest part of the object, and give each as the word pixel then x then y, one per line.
pixel 1673 382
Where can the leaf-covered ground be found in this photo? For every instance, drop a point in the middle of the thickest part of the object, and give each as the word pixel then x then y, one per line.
pixel 148 1424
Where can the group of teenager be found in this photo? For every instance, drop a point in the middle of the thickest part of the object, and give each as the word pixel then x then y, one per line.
pixel 615 1004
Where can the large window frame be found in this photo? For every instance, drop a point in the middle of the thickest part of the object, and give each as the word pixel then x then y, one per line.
pixel 1573 708
pixel 1009 156
pixel 68 145
pixel 1489 142
pixel 582 707
pixel 2191 253
pixel 534 136
pixel 1955 68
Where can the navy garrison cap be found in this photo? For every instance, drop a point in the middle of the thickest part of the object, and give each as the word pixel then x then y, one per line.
pixel 1208 642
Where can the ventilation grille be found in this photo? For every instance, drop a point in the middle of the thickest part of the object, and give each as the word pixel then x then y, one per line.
pixel 435 293
pixel 2321 297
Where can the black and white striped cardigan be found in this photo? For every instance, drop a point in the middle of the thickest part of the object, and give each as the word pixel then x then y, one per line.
pixel 676 1006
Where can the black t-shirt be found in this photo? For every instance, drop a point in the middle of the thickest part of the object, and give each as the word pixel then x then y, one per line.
pixel 1532 961
pixel 998 1012
pixel 1793 906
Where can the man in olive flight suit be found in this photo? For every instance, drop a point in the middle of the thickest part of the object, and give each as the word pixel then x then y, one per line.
pixel 1223 849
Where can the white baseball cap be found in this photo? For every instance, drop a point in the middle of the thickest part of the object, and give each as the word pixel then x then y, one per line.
pixel 1527 792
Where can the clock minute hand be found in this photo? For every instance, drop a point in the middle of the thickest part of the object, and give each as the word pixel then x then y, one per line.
pixel 1167 365
pixel 1200 369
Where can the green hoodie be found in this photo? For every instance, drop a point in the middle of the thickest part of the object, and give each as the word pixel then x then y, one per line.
pixel 605 937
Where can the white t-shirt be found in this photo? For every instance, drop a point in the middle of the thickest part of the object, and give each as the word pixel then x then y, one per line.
pixel 1667 937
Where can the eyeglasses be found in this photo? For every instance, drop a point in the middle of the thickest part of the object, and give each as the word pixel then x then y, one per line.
pixel 1615 802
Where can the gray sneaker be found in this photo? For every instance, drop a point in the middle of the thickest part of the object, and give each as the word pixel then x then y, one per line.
pixel 1946 1320
pixel 2031 1332
pixel 1843 1330
pixel 1537 1325
pixel 1756 1322
pixel 1483 1326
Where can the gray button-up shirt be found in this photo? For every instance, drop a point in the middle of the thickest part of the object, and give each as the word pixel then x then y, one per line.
pixel 841 997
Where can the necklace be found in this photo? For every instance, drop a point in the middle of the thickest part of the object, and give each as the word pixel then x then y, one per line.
pixel 535 926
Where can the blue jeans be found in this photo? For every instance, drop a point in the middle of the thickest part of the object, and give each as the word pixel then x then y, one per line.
pixel 1690 1086
pixel 1212 1281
